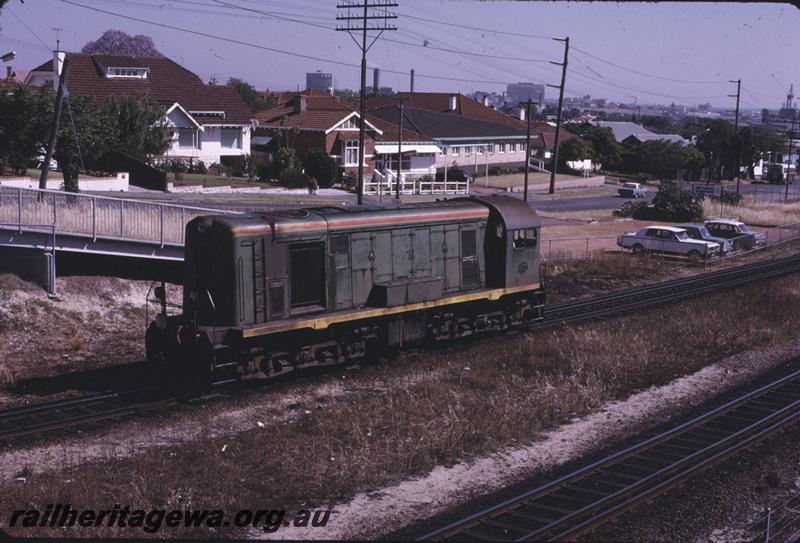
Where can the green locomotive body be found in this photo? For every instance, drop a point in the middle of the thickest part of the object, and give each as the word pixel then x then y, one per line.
pixel 266 294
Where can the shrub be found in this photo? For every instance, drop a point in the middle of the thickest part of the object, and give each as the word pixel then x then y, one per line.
pixel 672 203
pixel 730 198
pixel 452 175
pixel 495 170
pixel 197 167
pixel 264 172
pixel 294 178
pixel 319 164
pixel 629 209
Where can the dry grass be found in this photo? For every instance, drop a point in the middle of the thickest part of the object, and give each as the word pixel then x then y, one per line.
pixel 773 214
pixel 98 321
pixel 602 272
pixel 467 401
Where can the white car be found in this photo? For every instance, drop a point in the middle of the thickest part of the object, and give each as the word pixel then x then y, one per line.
pixel 668 240
pixel 632 190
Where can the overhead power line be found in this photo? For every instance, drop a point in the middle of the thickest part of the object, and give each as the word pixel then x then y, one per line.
pixel 468 27
pixel 264 47
pixel 621 67
pixel 609 83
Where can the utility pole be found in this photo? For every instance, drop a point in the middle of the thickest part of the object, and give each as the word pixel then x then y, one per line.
pixel 399 152
pixel 736 127
pixel 527 151
pixel 560 109
pixel 54 127
pixel 789 166
pixel 364 27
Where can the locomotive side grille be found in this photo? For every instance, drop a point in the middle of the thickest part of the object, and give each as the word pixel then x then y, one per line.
pixel 307 269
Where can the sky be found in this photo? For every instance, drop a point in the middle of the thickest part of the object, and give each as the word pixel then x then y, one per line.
pixel 685 53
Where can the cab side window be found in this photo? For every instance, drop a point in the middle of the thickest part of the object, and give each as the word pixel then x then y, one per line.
pixel 525 238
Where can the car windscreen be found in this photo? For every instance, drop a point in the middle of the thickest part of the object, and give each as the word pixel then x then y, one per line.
pixel 745 228
pixel 681 235
pixel 704 232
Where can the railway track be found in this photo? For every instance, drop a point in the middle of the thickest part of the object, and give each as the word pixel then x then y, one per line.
pixel 42 418
pixel 39 419
pixel 669 291
pixel 578 502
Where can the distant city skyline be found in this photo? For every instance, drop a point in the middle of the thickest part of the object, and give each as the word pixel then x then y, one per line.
pixel 649 53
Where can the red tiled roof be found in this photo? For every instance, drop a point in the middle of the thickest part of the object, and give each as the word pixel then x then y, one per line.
pixel 440 102
pixel 166 83
pixel 322 111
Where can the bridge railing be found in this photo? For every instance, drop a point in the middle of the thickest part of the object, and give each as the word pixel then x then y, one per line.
pixel 98 216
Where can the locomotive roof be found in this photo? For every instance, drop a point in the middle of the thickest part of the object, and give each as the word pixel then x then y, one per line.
pixel 320 219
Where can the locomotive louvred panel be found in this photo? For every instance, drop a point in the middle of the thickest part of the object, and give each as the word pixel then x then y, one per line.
pixel 452 260
pixel 360 250
pixel 307 267
pixel 470 277
pixel 342 295
pixel 421 247
pixel 401 254
pixel 382 256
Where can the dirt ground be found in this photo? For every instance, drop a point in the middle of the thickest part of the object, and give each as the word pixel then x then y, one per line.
pixel 95 322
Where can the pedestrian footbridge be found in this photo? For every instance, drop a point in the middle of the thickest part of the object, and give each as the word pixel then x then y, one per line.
pixel 36 225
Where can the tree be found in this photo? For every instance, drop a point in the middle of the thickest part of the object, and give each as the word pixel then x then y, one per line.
pixel 718 144
pixel 117 42
pixel 85 134
pixel 25 127
pixel 320 165
pixel 606 149
pixel 249 94
pixel 659 125
pixel 140 129
pixel 574 149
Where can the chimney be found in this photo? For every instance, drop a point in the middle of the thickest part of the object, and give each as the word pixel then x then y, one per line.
pixel 521 113
pixel 412 79
pixel 453 102
pixel 300 103
pixel 376 81
pixel 9 72
pixel 58 65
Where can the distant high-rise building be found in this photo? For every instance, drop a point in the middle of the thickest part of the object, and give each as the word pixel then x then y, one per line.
pixel 526 91
pixel 319 81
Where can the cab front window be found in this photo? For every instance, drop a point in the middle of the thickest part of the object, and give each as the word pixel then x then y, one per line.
pixel 525 238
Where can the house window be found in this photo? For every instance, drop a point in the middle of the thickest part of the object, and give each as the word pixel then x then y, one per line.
pixel 490 147
pixel 390 162
pixel 231 138
pixel 349 124
pixel 478 150
pixel 467 151
pixel 455 151
pixel 501 147
pixel 187 138
pixel 351 153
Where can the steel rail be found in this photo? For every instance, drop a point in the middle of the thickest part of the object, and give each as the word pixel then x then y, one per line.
pixel 754 416
pixel 46 417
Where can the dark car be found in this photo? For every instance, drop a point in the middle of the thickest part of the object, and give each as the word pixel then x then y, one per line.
pixel 699 231
pixel 738 232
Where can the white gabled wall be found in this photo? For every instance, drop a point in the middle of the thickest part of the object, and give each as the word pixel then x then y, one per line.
pixel 210 148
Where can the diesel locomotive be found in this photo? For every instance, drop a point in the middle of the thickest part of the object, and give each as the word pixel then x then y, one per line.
pixel 269 293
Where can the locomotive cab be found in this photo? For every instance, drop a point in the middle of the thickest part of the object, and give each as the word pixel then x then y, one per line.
pixel 511 244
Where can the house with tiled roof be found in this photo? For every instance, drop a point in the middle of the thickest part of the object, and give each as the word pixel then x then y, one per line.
pixel 211 123
pixel 311 119
pixel 471 135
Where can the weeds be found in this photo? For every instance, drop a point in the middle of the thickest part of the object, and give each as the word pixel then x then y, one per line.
pixel 772 214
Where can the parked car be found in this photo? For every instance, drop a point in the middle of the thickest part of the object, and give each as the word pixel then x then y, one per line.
pixel 699 231
pixel 632 190
pixel 668 240
pixel 738 232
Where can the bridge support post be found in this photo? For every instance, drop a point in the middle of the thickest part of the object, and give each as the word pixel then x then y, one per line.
pixel 35 265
